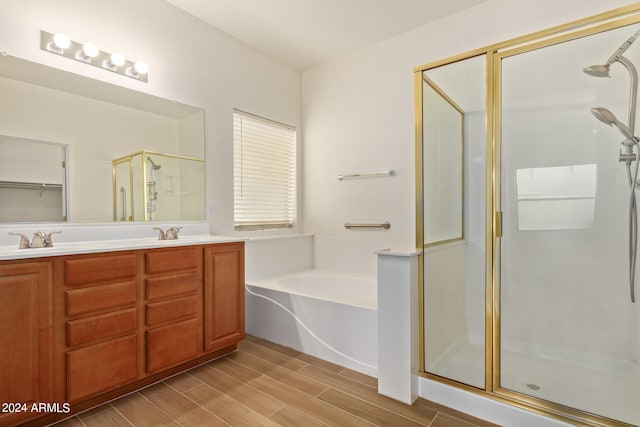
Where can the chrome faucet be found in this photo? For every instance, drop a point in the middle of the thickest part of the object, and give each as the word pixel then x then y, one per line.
pixel 40 240
pixel 171 234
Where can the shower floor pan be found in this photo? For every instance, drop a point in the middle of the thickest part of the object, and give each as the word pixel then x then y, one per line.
pixel 611 393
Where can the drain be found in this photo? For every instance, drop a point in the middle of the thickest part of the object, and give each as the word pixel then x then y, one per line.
pixel 533 386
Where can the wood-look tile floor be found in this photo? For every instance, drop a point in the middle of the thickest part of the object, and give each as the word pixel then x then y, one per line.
pixel 265 384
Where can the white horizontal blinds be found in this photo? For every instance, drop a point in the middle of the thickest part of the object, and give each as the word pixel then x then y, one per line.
pixel 264 160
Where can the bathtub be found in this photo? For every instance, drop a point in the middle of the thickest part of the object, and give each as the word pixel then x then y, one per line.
pixel 329 315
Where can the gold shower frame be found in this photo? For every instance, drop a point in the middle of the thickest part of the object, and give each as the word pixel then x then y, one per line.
pixel 493 227
pixel 456 107
pixel 129 158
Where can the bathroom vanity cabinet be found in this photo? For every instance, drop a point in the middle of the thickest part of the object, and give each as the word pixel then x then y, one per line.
pixel 25 338
pixel 84 329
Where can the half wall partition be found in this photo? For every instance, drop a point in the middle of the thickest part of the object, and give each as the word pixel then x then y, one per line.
pixel 527 220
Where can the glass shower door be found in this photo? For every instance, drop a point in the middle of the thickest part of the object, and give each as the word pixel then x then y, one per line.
pixel 568 332
pixel 454 147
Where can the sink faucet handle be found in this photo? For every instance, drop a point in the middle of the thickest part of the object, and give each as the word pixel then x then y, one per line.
pixel 172 233
pixel 24 241
pixel 161 235
pixel 38 239
pixel 48 241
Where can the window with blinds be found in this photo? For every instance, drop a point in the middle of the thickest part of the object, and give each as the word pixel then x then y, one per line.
pixel 264 165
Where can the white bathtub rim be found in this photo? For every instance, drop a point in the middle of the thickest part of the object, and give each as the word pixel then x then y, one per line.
pixel 273 284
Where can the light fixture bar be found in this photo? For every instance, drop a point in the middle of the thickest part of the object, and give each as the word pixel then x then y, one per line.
pixel 90 54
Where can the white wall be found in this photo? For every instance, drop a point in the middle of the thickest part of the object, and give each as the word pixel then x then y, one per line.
pixel 358 113
pixel 272 256
pixel 189 61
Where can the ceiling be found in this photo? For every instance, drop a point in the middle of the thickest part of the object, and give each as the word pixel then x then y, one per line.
pixel 305 33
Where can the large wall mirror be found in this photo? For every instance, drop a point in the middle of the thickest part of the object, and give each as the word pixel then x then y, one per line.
pixel 60 134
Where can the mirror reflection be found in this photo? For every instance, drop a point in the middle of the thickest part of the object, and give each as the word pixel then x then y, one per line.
pixel 150 186
pixel 32 180
pixel 97 123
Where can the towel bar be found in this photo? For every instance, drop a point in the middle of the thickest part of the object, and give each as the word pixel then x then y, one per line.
pixel 385 225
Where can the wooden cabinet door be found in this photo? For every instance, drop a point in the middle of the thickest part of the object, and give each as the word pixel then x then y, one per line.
pixel 223 295
pixel 101 367
pixel 172 344
pixel 25 335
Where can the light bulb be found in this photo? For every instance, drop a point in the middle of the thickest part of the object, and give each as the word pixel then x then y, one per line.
pixel 61 41
pixel 117 59
pixel 141 67
pixel 90 50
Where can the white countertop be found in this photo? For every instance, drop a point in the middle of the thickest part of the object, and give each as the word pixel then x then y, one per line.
pixel 86 247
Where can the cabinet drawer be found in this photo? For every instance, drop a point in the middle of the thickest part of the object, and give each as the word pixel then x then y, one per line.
pixel 173 309
pixel 95 328
pixel 101 367
pixel 87 300
pixel 162 287
pixel 170 345
pixel 100 269
pixel 164 261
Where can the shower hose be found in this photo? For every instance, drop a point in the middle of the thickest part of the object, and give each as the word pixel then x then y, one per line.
pixel 633 225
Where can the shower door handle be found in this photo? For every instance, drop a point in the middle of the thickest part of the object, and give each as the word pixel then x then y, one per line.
pixel 498 223
pixel 123 194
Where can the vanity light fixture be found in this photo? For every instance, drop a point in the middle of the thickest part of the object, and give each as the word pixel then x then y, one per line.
pixel 115 60
pixel 139 68
pixel 89 50
pixel 89 53
pixel 60 42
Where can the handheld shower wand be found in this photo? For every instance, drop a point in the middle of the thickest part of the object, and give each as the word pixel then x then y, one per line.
pixel 607 117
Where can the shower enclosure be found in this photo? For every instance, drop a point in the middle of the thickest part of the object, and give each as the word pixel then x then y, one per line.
pixel 150 186
pixel 532 300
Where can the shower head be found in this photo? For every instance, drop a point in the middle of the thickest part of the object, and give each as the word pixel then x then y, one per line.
pixel 598 70
pixel 608 118
pixel 153 164
pixel 603 69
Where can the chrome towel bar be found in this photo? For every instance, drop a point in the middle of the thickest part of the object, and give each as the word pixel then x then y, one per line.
pixel 385 225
